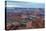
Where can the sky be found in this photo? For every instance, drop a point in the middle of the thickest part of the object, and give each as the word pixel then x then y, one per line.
pixel 26 3
pixel 35 1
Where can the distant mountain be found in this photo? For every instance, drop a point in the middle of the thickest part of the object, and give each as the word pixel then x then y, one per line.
pixel 17 10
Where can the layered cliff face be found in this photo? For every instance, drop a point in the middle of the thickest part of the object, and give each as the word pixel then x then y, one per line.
pixel 24 21
pixel 35 24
